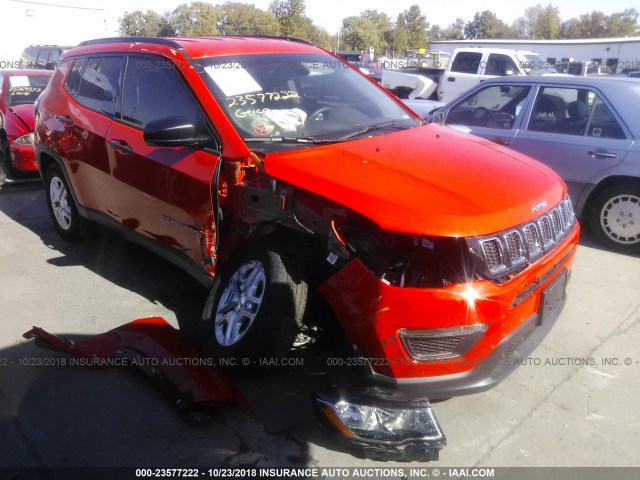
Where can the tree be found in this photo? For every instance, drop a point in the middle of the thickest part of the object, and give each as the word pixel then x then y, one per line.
pixel 196 18
pixel 623 24
pixel 246 19
pixel 539 23
pixel 572 28
pixel 398 37
pixel 487 25
pixel 140 24
pixel 593 25
pixel 366 31
pixel 290 15
pixel 317 35
pixel 416 26
pixel 455 31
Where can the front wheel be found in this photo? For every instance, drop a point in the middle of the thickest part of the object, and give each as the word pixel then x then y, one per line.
pixel 615 217
pixel 255 308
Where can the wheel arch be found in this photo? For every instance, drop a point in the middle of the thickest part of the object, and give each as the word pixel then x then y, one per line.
pixel 47 157
pixel 603 185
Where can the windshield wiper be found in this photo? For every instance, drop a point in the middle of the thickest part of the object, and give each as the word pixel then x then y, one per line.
pixel 287 140
pixel 368 129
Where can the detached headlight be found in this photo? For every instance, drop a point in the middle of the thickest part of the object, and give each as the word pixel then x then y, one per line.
pixel 27 139
pixel 384 423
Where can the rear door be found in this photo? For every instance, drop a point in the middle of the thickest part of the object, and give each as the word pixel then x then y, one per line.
pixel 81 126
pixel 163 193
pixel 576 132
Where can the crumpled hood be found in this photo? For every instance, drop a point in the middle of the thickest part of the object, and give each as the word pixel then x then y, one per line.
pixel 427 180
pixel 23 116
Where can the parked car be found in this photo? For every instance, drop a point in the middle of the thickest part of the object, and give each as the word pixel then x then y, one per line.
pixel 19 89
pixel 268 167
pixel 42 56
pixel 585 128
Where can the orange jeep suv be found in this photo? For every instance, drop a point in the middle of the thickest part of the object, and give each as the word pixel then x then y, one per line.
pixel 268 168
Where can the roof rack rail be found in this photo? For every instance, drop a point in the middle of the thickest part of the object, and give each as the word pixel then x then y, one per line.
pixel 277 37
pixel 156 40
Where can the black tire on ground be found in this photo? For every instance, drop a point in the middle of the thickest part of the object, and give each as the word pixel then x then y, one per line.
pixel 62 208
pixel 7 164
pixel 614 217
pixel 254 309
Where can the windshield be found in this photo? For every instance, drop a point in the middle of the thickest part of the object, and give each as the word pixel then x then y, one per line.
pixel 25 88
pixel 535 65
pixel 300 98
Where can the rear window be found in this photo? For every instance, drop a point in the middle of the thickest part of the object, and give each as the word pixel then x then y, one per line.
pixel 466 62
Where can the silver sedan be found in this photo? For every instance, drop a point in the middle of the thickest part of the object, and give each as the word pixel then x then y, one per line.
pixel 586 128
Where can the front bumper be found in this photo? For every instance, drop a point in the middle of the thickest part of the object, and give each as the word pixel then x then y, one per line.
pixel 372 313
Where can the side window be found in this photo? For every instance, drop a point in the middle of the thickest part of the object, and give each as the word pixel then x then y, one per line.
pixel 41 61
pixel 466 62
pixel 100 86
pixel 496 106
pixel 560 110
pixel 500 65
pixel 72 84
pixel 603 123
pixel 573 111
pixel 152 91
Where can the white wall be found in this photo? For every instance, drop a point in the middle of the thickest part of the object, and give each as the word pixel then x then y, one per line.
pixel 24 24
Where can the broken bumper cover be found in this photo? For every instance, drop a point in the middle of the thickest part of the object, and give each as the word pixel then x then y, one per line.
pixel 383 426
pixel 162 353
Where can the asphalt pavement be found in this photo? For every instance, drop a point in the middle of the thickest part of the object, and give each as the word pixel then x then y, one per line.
pixel 573 403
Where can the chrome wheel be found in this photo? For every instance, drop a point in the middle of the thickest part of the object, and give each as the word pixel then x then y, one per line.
pixel 239 303
pixel 620 219
pixel 60 203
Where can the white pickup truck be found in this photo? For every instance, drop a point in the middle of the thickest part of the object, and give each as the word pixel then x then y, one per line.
pixel 451 76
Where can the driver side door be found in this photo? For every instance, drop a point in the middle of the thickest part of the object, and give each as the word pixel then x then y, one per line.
pixel 163 193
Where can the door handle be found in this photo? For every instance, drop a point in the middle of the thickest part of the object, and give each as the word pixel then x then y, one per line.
pixel 66 121
pixel 121 147
pixel 501 141
pixel 595 154
pixel 451 79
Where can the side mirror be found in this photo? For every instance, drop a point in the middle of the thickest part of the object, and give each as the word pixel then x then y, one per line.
pixel 174 131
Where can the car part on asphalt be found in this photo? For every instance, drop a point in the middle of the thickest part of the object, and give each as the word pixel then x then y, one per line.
pixel 162 353
pixel 384 426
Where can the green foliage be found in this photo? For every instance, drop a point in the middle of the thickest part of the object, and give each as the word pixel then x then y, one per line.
pixel 196 18
pixel 140 24
pixel 246 19
pixel 539 23
pixel 365 31
pixel 290 15
pixel 416 26
pixel 487 25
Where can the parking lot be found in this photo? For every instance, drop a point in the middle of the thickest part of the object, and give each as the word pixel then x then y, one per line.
pixel 574 402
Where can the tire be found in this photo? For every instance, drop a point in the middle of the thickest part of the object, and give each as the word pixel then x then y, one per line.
pixel 254 309
pixel 615 217
pixel 66 219
pixel 7 164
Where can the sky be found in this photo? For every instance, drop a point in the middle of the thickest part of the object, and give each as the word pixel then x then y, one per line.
pixel 329 13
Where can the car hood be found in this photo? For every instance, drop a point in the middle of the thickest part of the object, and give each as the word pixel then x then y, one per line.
pixel 427 180
pixel 23 114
